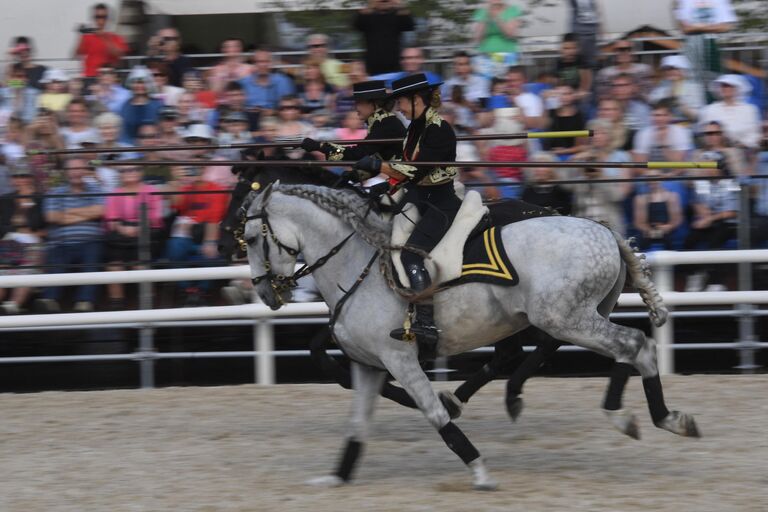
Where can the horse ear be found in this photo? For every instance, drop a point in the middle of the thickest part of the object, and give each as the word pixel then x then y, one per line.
pixel 265 193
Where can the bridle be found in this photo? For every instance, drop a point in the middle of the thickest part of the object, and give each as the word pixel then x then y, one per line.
pixel 280 282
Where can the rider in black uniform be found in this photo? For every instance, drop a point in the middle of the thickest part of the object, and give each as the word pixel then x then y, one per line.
pixel 374 105
pixel 431 189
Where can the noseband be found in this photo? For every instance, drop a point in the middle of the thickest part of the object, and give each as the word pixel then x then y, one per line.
pixel 280 282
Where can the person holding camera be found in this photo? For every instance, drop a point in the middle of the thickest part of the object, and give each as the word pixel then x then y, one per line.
pixel 97 46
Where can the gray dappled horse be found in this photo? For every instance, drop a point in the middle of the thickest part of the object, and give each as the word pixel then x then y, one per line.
pixel 571 273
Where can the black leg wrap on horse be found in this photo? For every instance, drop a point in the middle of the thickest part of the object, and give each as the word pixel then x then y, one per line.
pixel 613 395
pixel 398 395
pixel 655 397
pixel 317 349
pixel 529 366
pixel 458 442
pixel 477 380
pixel 349 459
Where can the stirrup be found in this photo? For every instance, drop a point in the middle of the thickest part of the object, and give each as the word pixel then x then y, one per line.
pixel 425 336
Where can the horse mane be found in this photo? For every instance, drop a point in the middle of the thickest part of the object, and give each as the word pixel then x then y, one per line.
pixel 347 205
pixel 297 175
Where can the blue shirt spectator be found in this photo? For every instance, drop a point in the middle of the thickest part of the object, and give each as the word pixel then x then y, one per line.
pixel 76 233
pixel 264 88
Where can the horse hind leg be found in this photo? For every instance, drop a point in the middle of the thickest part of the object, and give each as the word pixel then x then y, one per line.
pixel 625 345
pixel 367 383
pixel 624 420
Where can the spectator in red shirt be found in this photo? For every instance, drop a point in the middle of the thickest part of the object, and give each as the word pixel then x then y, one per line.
pixel 195 232
pixel 97 46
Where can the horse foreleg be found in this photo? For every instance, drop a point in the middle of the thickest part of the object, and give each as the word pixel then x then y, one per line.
pixel 547 345
pixel 405 368
pixel 507 352
pixel 318 349
pixel 367 383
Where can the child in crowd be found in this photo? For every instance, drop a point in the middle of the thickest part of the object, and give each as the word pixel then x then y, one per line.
pixel 56 95
pixel 351 128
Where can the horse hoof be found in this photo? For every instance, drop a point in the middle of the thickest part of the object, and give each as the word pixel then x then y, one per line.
pixel 326 481
pixel 451 403
pixel 681 424
pixel 490 485
pixel 625 422
pixel 514 407
pixel 482 480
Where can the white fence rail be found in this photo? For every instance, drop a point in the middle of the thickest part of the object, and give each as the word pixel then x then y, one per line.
pixel 264 351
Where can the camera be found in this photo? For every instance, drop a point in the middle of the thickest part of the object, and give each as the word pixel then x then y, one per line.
pixel 83 29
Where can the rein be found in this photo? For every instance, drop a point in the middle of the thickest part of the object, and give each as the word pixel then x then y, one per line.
pixel 280 282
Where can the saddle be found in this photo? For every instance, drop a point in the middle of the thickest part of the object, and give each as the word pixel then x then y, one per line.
pixel 472 249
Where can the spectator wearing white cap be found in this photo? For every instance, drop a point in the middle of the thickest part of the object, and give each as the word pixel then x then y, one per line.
pixel 201 134
pixel 234 130
pixel 740 120
pixel 55 96
pixel 687 94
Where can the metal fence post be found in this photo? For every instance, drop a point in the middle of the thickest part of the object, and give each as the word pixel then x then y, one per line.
pixel 664 277
pixel 264 345
pixel 146 334
pixel 747 341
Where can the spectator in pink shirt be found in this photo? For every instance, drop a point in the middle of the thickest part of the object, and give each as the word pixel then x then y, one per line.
pixel 122 216
pixel 351 128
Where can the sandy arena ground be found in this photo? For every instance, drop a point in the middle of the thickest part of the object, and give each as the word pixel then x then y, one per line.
pixel 250 448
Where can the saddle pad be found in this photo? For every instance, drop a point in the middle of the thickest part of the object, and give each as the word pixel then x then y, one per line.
pixel 486 261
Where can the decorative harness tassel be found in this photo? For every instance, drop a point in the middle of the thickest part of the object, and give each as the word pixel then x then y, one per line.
pixel 409 337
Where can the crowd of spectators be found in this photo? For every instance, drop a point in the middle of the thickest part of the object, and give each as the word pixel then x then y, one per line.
pixel 637 112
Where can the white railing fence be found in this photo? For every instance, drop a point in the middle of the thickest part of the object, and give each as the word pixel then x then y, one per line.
pixel 264 319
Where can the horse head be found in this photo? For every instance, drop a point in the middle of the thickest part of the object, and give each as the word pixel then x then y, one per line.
pixel 271 253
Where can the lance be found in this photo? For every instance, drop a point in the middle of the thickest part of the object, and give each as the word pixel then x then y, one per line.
pixel 342 163
pixel 292 143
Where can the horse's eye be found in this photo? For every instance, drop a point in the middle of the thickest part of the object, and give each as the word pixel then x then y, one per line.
pixel 250 240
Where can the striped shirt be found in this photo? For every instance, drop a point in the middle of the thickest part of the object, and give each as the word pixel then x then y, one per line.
pixel 79 232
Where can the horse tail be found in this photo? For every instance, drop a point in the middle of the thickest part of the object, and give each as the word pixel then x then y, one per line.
pixel 640 277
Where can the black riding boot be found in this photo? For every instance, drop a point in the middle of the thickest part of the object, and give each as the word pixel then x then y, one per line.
pixel 423 328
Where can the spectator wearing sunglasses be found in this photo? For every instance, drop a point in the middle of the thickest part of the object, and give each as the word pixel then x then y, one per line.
pixel 170 53
pixel 624 64
pixel 97 46
pixel 332 69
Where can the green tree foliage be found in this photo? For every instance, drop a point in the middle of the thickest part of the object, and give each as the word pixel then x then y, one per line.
pixel 442 21
pixel 753 15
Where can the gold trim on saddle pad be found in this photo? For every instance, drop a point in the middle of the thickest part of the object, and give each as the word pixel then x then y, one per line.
pixel 495 266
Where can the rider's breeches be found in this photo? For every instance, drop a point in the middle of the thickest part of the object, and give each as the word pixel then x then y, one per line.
pixel 437 207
